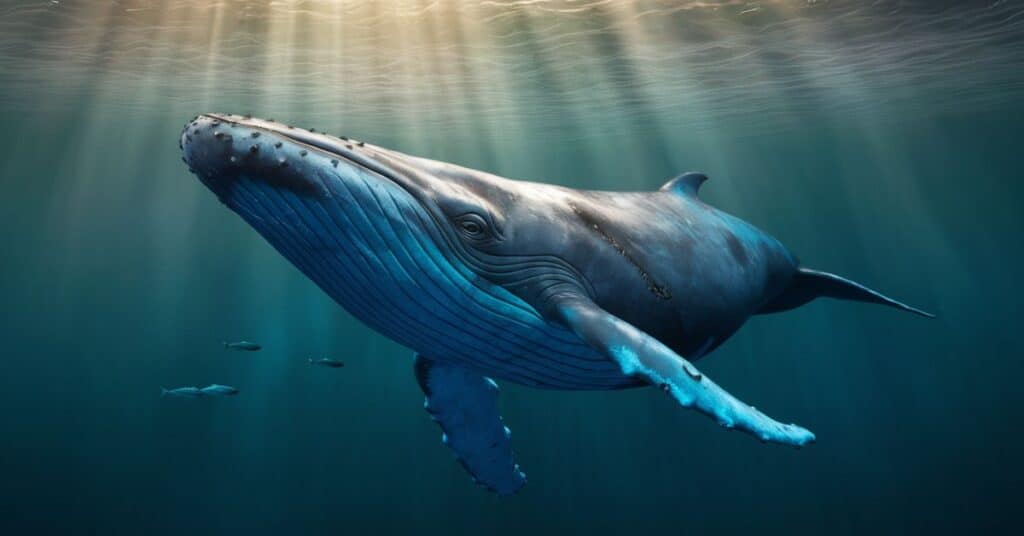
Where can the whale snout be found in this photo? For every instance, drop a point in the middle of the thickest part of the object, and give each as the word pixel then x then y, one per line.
pixel 208 145
pixel 222 148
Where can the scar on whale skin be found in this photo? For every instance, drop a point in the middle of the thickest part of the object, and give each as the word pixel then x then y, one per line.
pixel 661 291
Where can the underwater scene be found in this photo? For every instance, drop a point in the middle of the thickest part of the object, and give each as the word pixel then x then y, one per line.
pixel 265 271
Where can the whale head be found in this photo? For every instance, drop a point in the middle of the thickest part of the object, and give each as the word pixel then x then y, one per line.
pixel 369 224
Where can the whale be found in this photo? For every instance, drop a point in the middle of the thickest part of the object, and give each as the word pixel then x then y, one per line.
pixel 488 279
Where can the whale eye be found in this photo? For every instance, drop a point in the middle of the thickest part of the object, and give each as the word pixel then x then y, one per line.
pixel 472 225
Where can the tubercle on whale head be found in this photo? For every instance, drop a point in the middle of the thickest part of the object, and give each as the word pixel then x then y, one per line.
pixel 220 148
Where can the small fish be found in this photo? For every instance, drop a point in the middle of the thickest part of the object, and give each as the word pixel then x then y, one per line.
pixel 325 362
pixel 219 390
pixel 242 345
pixel 183 392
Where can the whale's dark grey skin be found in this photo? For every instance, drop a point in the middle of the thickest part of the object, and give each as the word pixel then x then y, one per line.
pixel 533 283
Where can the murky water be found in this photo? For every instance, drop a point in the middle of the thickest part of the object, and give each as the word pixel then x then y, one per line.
pixel 880 140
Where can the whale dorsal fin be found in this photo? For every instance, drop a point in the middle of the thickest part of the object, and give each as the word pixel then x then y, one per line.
pixel 686 184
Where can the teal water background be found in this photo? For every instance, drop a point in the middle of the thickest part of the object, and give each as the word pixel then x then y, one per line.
pixel 879 140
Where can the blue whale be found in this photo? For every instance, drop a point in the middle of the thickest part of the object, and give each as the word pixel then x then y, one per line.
pixel 487 277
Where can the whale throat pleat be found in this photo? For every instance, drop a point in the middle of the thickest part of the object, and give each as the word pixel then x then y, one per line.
pixel 424 302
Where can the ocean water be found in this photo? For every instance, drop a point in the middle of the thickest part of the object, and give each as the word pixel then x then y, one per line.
pixel 881 140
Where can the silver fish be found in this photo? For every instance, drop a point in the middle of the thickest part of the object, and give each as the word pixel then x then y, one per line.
pixel 183 392
pixel 242 345
pixel 219 390
pixel 325 362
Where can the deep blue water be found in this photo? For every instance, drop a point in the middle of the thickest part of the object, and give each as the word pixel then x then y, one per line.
pixel 879 140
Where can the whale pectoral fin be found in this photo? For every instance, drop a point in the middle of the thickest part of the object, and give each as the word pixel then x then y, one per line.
pixel 639 354
pixel 465 405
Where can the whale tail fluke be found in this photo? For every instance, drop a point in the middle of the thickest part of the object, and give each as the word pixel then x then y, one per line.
pixel 809 284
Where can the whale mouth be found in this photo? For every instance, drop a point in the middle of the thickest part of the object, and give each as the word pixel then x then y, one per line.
pixel 349 222
pixel 221 148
